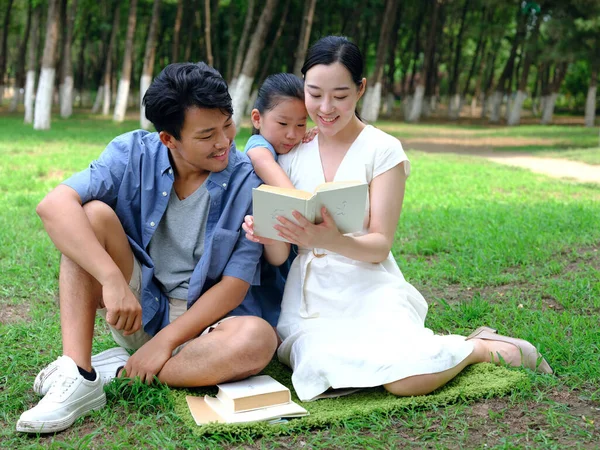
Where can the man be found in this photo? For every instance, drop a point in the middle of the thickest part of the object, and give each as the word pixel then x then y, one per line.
pixel 149 236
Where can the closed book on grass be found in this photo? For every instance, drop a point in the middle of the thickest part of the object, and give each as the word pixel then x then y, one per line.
pixel 253 393
pixel 255 399
pixel 345 201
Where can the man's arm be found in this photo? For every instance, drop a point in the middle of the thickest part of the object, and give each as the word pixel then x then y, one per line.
pixel 71 232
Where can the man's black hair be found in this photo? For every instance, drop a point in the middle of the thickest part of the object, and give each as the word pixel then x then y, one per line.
pixel 181 86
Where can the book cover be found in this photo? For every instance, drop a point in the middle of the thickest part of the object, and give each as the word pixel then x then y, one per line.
pixel 345 201
pixel 228 406
pixel 253 393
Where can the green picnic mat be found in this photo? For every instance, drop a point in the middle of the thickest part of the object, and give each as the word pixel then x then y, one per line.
pixel 475 382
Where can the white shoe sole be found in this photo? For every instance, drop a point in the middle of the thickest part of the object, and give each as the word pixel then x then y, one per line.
pixel 54 426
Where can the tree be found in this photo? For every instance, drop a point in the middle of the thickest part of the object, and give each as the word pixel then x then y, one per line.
pixel 149 62
pixel 417 102
pixel 177 32
pixel 3 46
pixel 590 101
pixel 66 94
pixel 43 98
pixel 454 97
pixel 34 40
pixel 372 101
pixel 307 20
pixel 20 73
pixel 207 31
pixel 123 90
pixel 241 50
pixel 251 60
pixel 517 105
pixel 503 86
pixel 560 71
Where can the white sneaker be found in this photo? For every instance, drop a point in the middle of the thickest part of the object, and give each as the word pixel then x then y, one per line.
pixel 69 397
pixel 105 363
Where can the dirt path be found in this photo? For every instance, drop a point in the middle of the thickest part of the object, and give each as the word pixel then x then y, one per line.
pixel 553 167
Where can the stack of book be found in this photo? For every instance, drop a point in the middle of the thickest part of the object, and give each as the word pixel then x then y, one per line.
pixel 255 399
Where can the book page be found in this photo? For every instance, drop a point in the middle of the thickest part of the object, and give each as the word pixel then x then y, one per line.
pixel 269 204
pixel 346 204
pixel 290 409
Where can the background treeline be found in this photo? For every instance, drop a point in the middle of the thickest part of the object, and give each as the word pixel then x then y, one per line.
pixel 485 58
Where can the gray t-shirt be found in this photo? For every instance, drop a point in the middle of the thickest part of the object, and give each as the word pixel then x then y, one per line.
pixel 178 242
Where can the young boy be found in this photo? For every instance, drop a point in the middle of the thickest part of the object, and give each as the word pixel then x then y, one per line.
pixel 149 236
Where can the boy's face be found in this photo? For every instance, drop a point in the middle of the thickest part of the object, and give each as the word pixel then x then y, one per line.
pixel 205 141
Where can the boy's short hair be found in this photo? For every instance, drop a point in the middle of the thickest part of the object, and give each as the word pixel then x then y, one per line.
pixel 181 86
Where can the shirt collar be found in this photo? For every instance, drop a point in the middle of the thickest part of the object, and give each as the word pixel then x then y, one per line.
pixel 222 178
pixel 164 163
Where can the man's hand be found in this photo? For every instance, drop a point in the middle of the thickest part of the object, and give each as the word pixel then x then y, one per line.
pixel 123 310
pixel 148 361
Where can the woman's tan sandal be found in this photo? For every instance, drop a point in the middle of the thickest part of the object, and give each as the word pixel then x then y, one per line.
pixel 480 330
pixel 530 357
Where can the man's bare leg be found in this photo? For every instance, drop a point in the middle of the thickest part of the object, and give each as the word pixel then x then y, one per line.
pixel 236 349
pixel 80 294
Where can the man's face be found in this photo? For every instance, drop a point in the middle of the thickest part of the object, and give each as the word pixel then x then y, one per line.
pixel 205 141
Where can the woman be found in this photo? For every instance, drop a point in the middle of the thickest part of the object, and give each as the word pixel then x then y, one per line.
pixel 349 319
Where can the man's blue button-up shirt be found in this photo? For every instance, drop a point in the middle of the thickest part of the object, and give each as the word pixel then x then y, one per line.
pixel 133 175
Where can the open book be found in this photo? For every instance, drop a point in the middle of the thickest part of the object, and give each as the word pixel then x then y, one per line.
pixel 344 200
pixel 259 398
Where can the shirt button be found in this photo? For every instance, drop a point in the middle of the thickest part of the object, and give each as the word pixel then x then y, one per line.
pixel 152 224
pixel 164 194
pixel 156 298
pixel 225 185
pixel 170 171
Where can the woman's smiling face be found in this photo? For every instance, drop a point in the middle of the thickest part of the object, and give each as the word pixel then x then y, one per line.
pixel 331 96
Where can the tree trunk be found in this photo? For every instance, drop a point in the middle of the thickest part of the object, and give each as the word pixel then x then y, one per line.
pixel 43 98
pixel 241 50
pixel 207 30
pixel 479 50
pixel 590 103
pixel 417 101
pixel 560 71
pixel 105 90
pixel 372 103
pixel 269 57
pixel 3 46
pixel 123 90
pixel 149 56
pixel 514 116
pixel 34 42
pixel 503 83
pixel 231 30
pixel 66 94
pixel 307 21
pixel 251 61
pixel 20 73
pixel 177 32
pixel 80 78
pixel 454 96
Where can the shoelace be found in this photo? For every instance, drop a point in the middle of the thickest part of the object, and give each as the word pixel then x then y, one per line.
pixel 60 387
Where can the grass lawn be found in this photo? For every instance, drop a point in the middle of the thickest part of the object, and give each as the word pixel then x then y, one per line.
pixel 486 244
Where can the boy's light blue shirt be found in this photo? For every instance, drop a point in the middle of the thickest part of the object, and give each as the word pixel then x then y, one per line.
pixel 134 176
pixel 256 140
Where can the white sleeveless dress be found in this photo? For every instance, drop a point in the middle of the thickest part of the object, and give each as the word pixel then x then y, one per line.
pixel 351 324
